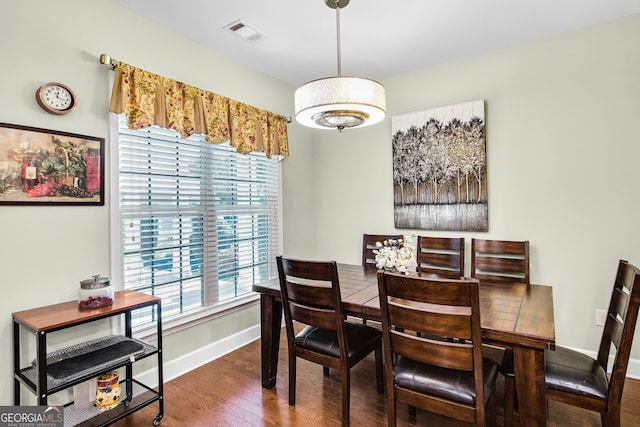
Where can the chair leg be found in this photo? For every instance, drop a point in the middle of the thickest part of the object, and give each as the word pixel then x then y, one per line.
pixel 509 394
pixel 346 380
pixel 292 379
pixel 490 409
pixel 379 370
pixel 612 419
pixel 391 405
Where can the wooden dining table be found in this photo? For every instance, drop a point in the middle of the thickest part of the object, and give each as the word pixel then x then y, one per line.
pixel 513 315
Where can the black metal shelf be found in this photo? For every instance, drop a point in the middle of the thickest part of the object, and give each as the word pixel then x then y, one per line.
pixel 56 371
pixel 93 417
pixel 29 374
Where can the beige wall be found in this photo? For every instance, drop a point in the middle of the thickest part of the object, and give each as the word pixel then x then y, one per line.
pixel 562 118
pixel 46 251
pixel 560 142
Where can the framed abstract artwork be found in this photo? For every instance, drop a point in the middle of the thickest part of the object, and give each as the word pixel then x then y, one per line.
pixel 47 167
pixel 440 168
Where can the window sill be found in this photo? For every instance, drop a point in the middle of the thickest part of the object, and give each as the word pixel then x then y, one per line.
pixel 204 315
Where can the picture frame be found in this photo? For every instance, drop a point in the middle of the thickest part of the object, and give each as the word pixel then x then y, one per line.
pixel 50 167
pixel 440 168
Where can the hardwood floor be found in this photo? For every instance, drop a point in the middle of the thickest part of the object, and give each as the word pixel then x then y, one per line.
pixel 227 392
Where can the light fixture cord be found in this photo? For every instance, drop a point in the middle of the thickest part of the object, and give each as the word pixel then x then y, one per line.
pixel 338 37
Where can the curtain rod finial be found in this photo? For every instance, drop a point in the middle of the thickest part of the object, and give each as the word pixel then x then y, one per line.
pixel 107 60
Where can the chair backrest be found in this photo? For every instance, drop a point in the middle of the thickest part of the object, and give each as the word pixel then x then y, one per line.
pixel 369 244
pixel 620 326
pixel 438 310
pixel 500 261
pixel 311 295
pixel 442 256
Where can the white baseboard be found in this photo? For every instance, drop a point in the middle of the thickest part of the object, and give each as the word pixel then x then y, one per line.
pixel 633 370
pixel 208 353
pixel 188 362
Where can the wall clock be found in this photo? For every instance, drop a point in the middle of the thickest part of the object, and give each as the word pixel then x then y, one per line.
pixel 56 98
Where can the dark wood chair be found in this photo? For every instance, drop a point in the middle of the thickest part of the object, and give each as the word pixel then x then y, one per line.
pixel 502 261
pixel 369 244
pixel 311 296
pixel 579 380
pixel 441 256
pixel 426 370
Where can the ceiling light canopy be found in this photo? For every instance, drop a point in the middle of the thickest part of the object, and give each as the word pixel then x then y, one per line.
pixel 339 102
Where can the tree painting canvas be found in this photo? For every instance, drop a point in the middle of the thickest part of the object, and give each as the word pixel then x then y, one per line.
pixel 440 168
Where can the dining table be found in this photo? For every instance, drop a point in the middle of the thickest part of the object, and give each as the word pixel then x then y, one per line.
pixel 515 316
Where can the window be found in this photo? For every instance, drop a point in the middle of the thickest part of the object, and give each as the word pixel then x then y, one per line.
pixel 199 223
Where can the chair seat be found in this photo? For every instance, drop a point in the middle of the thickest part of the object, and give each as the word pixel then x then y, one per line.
pixel 574 372
pixel 361 338
pixel 448 384
pixel 567 370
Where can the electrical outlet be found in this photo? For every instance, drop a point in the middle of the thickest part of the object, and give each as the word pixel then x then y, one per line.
pixel 601 316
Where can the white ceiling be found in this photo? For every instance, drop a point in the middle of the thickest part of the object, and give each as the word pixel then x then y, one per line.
pixel 378 38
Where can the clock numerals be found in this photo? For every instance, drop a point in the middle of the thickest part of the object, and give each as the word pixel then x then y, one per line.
pixel 58 98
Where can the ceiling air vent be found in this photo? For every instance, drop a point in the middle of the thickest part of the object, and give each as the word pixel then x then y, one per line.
pixel 244 31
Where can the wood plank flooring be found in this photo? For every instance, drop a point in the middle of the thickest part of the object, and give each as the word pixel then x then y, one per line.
pixel 228 392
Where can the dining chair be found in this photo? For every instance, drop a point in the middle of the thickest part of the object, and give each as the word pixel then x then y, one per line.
pixel 579 380
pixel 502 261
pixel 311 296
pixel 441 256
pixel 425 369
pixel 369 244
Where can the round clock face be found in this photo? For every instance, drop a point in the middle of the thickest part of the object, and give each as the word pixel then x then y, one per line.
pixel 56 98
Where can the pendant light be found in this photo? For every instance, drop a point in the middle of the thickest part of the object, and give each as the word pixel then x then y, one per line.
pixel 339 102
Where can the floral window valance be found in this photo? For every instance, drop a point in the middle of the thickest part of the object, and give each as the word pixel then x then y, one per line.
pixel 149 99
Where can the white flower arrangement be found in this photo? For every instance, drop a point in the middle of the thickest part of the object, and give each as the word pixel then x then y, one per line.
pixel 396 255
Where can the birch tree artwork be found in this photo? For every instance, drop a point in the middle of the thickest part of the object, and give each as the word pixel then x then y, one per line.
pixel 440 168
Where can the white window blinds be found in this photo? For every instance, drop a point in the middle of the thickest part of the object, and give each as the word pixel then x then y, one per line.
pixel 199 221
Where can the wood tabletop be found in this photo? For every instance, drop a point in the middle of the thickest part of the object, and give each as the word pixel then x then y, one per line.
pixel 58 316
pixel 510 313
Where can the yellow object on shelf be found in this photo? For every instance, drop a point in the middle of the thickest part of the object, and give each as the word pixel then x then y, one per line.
pixel 109 391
